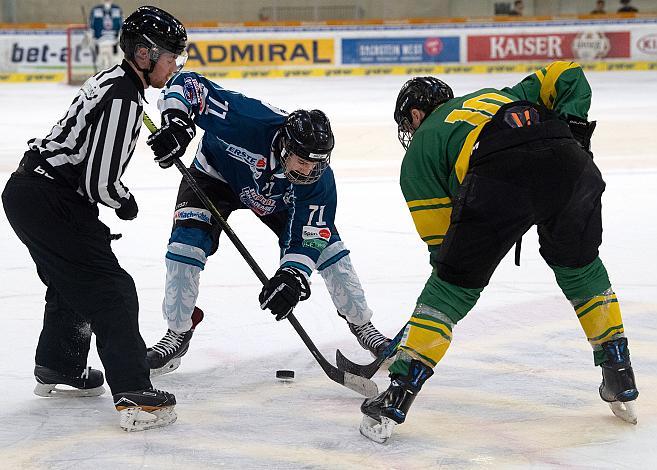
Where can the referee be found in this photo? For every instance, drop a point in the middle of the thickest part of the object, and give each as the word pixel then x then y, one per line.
pixel 51 202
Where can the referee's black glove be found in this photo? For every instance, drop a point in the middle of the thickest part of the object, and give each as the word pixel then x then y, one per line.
pixel 171 140
pixel 128 209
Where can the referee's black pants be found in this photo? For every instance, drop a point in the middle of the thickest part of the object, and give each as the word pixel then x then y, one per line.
pixel 87 290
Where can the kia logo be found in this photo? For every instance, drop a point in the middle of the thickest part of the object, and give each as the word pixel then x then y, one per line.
pixel 648 44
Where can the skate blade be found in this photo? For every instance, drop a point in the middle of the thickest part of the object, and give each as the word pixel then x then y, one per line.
pixel 53 391
pixel 377 432
pixel 135 418
pixel 170 366
pixel 625 410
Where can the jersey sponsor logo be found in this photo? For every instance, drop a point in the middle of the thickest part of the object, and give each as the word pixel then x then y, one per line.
pixel 258 203
pixel 254 160
pixel 201 215
pixel 315 243
pixel 549 46
pixel 309 232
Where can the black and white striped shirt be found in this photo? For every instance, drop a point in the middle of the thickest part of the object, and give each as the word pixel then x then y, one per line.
pixel 91 146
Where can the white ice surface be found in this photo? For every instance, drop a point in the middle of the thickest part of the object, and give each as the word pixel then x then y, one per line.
pixel 517 388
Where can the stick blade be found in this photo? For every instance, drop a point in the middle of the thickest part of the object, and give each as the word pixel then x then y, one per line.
pixel 361 385
pixel 364 370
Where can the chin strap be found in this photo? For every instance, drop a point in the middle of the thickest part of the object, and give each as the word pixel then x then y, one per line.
pixel 146 72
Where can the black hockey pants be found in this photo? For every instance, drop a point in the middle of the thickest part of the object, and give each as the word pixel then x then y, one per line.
pixel 87 290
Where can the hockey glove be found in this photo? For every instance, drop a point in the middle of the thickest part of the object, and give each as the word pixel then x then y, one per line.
pixel 582 131
pixel 171 140
pixel 284 291
pixel 128 209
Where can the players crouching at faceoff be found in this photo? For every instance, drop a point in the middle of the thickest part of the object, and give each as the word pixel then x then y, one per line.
pixel 479 171
pixel 254 156
pixel 51 202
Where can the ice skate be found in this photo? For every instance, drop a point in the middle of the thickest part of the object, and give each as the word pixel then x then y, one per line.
pixel 164 357
pixel 145 409
pixel 389 408
pixel 368 337
pixel 88 384
pixel 618 387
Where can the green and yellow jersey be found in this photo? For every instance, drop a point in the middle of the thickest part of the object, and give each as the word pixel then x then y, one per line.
pixel 438 157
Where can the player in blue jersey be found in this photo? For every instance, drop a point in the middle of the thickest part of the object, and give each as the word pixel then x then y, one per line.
pixel 252 155
pixel 105 21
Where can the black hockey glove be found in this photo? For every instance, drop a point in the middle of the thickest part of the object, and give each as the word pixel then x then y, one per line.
pixel 582 131
pixel 284 291
pixel 171 140
pixel 128 209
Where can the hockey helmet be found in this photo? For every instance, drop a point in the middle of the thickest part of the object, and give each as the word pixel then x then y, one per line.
pixel 156 30
pixel 423 93
pixel 308 135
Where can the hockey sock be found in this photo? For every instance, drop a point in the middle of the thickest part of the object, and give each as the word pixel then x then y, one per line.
pixel 451 300
pixel 427 337
pixel 589 291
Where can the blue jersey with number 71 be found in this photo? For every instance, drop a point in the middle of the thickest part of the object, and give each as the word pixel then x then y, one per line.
pixel 237 148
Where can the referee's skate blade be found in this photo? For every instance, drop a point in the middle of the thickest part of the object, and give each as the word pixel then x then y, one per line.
pixel 378 432
pixel 137 419
pixel 625 410
pixel 56 391
pixel 170 366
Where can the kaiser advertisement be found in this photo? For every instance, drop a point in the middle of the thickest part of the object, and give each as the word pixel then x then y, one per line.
pixel 588 45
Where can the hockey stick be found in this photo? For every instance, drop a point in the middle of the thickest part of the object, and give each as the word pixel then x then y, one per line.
pixel 368 370
pixel 362 385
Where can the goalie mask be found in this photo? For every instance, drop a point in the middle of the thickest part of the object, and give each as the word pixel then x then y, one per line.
pixel 156 30
pixel 423 93
pixel 306 135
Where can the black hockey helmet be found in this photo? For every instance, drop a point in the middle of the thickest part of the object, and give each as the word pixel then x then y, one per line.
pixel 423 93
pixel 308 135
pixel 158 31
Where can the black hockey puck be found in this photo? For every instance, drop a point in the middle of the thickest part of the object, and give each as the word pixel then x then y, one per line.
pixel 285 374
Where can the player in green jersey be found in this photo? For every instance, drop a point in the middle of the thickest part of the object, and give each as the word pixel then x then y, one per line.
pixel 479 171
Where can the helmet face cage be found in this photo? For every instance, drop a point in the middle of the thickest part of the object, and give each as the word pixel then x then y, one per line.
pixel 423 93
pixel 308 135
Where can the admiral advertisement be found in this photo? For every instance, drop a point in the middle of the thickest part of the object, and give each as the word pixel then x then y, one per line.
pixel 411 50
pixel 259 52
pixel 584 46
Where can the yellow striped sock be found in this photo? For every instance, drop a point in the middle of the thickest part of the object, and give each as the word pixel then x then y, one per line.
pixel 600 317
pixel 427 335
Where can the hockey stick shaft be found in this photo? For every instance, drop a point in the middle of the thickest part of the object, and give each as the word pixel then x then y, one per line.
pixel 364 386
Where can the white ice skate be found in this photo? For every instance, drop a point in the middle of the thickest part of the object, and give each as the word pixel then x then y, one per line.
pixel 137 418
pixel 378 432
pixel 625 410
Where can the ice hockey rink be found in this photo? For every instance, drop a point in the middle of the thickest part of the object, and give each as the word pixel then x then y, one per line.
pixel 517 389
